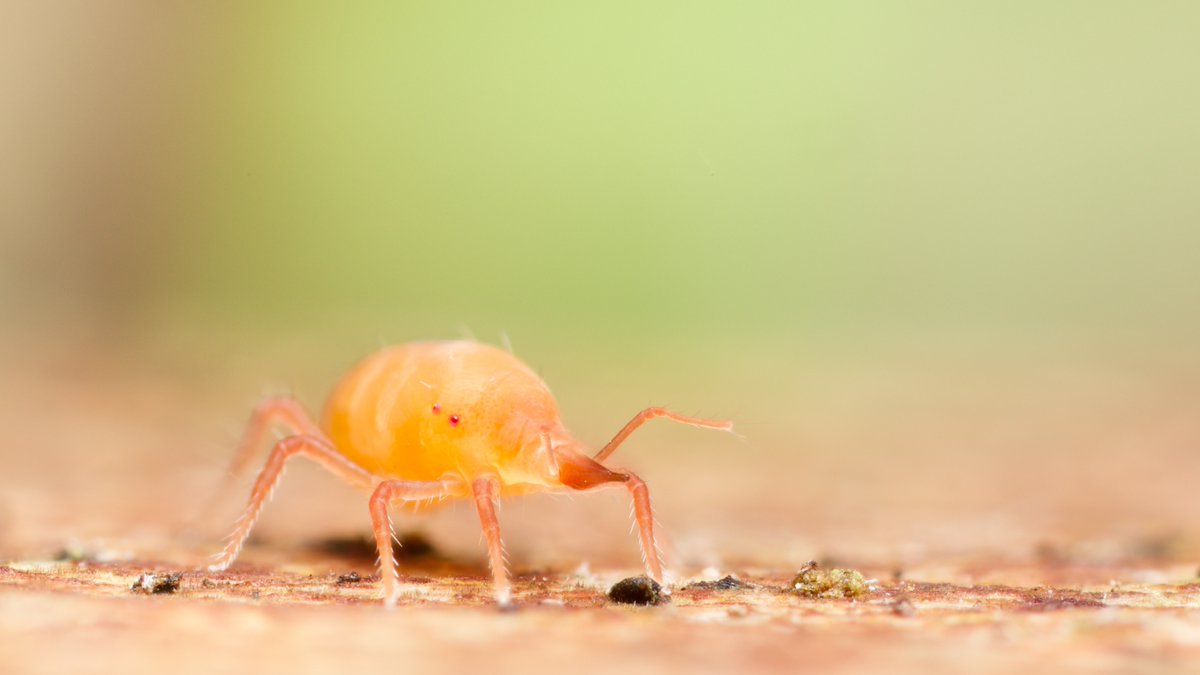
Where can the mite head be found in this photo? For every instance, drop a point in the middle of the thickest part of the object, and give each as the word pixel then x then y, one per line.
pixel 555 459
pixel 507 428
pixel 533 452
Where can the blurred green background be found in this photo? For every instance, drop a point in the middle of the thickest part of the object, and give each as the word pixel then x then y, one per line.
pixel 631 172
pixel 793 214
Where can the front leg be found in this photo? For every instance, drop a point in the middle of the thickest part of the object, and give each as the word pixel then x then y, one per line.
pixel 581 473
pixel 487 496
pixel 385 494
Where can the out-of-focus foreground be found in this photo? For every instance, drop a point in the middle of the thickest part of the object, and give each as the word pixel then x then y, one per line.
pixel 938 263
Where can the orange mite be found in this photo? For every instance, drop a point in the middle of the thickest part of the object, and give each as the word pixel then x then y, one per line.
pixel 429 420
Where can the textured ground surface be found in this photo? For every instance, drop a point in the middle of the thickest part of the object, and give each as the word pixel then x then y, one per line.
pixel 1040 525
pixel 307 619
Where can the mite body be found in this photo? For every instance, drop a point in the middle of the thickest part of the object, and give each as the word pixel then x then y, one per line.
pixel 427 421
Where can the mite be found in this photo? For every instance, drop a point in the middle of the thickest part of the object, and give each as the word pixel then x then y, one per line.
pixel 421 422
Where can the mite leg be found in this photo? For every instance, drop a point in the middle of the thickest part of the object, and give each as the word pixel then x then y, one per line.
pixel 651 413
pixel 388 492
pixel 284 412
pixel 281 412
pixel 581 473
pixel 316 449
pixel 487 495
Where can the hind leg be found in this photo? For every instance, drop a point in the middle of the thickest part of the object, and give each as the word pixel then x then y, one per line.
pixel 316 449
pixel 282 413
pixel 272 412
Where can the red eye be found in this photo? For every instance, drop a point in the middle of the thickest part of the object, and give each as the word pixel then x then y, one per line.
pixel 436 408
pixel 454 420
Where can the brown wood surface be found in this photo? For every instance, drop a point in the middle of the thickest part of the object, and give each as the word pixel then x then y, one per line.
pixel 1077 551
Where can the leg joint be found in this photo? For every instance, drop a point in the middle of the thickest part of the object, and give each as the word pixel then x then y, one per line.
pixel 292 445
pixel 381 497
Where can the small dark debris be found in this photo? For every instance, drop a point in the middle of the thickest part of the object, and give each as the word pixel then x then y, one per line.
pixel 157 584
pixel 903 607
pixel 349 578
pixel 729 583
pixel 637 591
